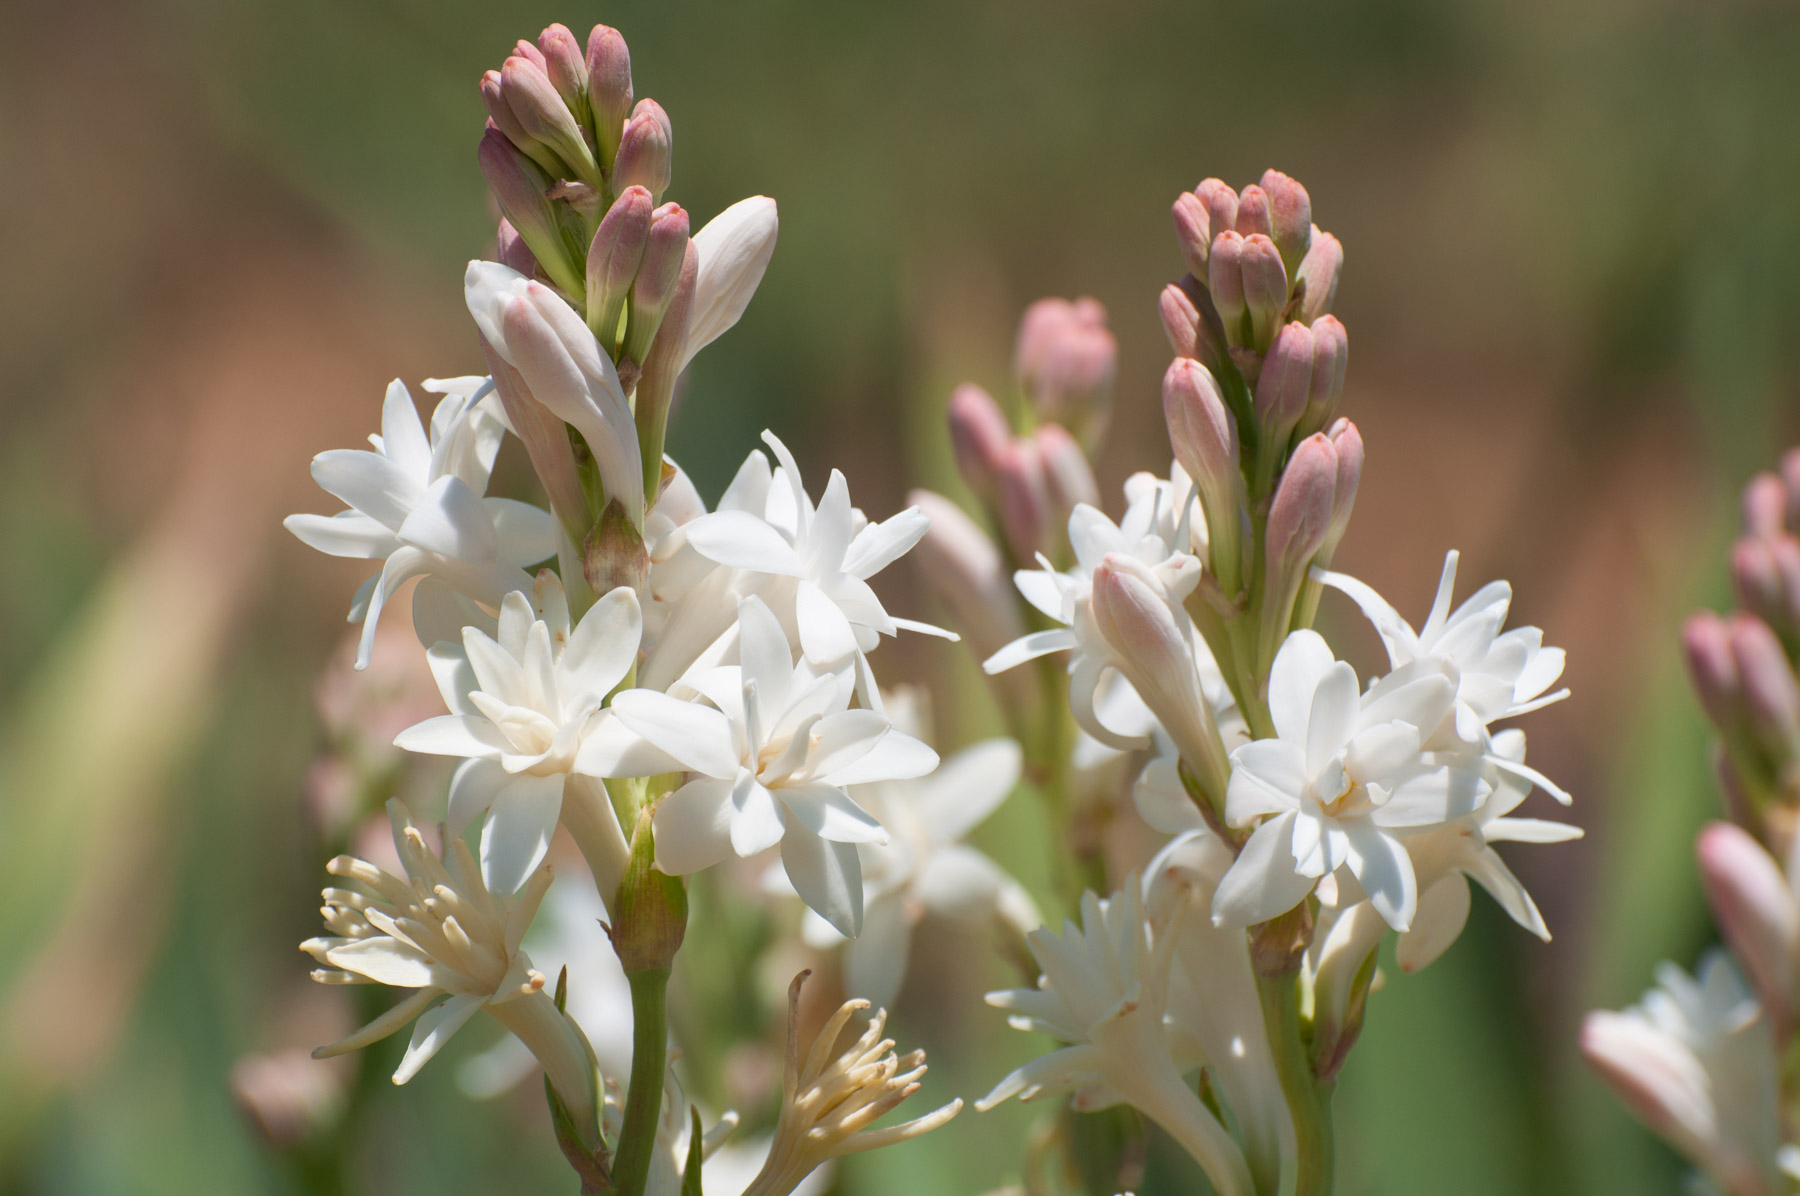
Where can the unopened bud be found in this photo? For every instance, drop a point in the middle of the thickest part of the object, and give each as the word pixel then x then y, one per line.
pixel 1757 579
pixel 609 88
pixel 1067 473
pixel 1349 445
pixel 1181 321
pixel 1193 231
pixel 1658 1079
pixel 544 117
pixel 1290 218
pixel 1755 907
pixel 662 366
pixel 979 437
pixel 493 98
pixel 1064 359
pixel 1712 670
pixel 664 251
pixel 1284 386
pixel 529 52
pixel 1253 214
pixel 564 66
pixel 1331 357
pixel 646 150
pixel 519 188
pixel 613 259
pixel 1765 505
pixel 1225 281
pixel 1265 287
pixel 1221 202
pixel 650 915
pixel 1319 275
pixel 965 570
pixel 1771 694
pixel 614 554
pixel 1022 493
pixel 1790 477
pixel 512 251
pixel 1300 521
pixel 1201 427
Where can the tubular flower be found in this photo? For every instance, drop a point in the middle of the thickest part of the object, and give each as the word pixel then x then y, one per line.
pixel 829 1100
pixel 1103 992
pixel 523 708
pixel 772 754
pixel 443 932
pixel 416 503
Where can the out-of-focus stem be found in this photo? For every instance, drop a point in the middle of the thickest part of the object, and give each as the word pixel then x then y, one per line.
pixel 643 1103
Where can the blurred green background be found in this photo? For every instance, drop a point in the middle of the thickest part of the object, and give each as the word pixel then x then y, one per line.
pixel 1573 276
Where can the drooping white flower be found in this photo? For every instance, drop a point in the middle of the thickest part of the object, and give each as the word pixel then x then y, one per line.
pixel 1103 991
pixel 1696 1062
pixel 416 504
pixel 924 868
pixel 443 932
pixel 771 756
pixel 1344 775
pixel 523 708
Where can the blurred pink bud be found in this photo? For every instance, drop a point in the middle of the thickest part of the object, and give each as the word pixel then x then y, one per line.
pixel 665 250
pixel 512 250
pixel 1022 492
pixel 289 1096
pixel 1660 1080
pixel 1221 202
pixel 1319 275
pixel 1284 386
pixel 1755 907
pixel 1064 359
pixel 544 117
pixel 1066 471
pixel 1181 321
pixel 1349 445
pixel 609 87
pixel 1765 505
pixel 1706 646
pixel 564 66
pixel 614 256
pixel 646 150
pixel 966 572
pixel 1771 694
pixel 1790 477
pixel 524 49
pixel 1225 281
pixel 1253 214
pixel 1193 231
pixel 1290 218
pixel 1201 428
pixel 979 436
pixel 1265 286
pixel 1756 577
pixel 1331 357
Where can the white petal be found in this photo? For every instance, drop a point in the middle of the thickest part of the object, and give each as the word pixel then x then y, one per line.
pixel 1332 720
pixel 733 250
pixel 960 882
pixel 602 648
pixel 825 634
pixel 967 787
pixel 1396 634
pixel 828 877
pixel 896 756
pixel 402 436
pixel 1163 802
pixel 1385 872
pixel 1443 910
pixel 875 961
pixel 384 960
pixel 881 544
pixel 472 789
pixel 1263 882
pixel 1299 666
pixel 348 533
pixel 767 659
pixel 740 540
pixel 698 736
pixel 828 812
pixel 1029 647
pixel 521 820
pixel 1491 872
pixel 453 735
pixel 432 1031
pixel 369 482
pixel 527 534
pixel 450 520
pixel 1267 777
pixel 1529 830
pixel 693 826
pixel 756 822
pixel 612 749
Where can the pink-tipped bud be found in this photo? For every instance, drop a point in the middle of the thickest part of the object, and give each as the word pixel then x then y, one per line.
pixel 1771 694
pixel 493 98
pixel 1300 521
pixel 1319 275
pixel 1331 357
pixel 1712 670
pixel 1065 358
pixel 1284 386
pixel 965 570
pixel 1349 445
pixel 1201 428
pixel 1221 203
pixel 564 66
pixel 613 259
pixel 1290 218
pixel 512 250
pixel 1765 505
pixel 665 248
pixel 646 150
pixel 544 117
pixel 529 52
pixel 979 437
pixel 1659 1079
pixel 1757 579
pixel 519 187
pixel 1253 215
pixel 1022 493
pixel 1193 231
pixel 1225 281
pixel 1265 286
pixel 1067 473
pixel 1755 907
pixel 1180 320
pixel 609 88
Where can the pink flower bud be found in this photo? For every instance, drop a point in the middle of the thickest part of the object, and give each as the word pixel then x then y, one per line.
pixel 1331 357
pixel 1066 472
pixel 512 250
pixel 564 66
pixel 664 251
pixel 1757 579
pixel 613 259
pixel 1022 492
pixel 1349 445
pixel 1706 646
pixel 979 436
pixel 666 354
pixel 1064 359
pixel 1790 477
pixel 1755 907
pixel 609 87
pixel 1180 320
pixel 544 117
pixel 1285 385
pixel 1221 203
pixel 1225 281
pixel 1201 428
pixel 1253 215
pixel 646 150
pixel 519 187
pixel 1290 218
pixel 965 570
pixel 1193 231
pixel 1765 505
pixel 1657 1077
pixel 493 98
pixel 524 49
pixel 1265 286
pixel 1300 521
pixel 1319 276
pixel 1771 694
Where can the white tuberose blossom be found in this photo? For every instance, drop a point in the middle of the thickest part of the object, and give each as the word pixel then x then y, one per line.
pixel 771 757
pixel 522 709
pixel 416 504
pixel 1343 776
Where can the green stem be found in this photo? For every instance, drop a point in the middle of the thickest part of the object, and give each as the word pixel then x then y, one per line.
pixel 1308 1101
pixel 643 1103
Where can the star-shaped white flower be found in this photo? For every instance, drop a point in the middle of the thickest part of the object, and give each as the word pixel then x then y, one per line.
pixel 772 754
pixel 1343 776
pixel 416 504
pixel 522 711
